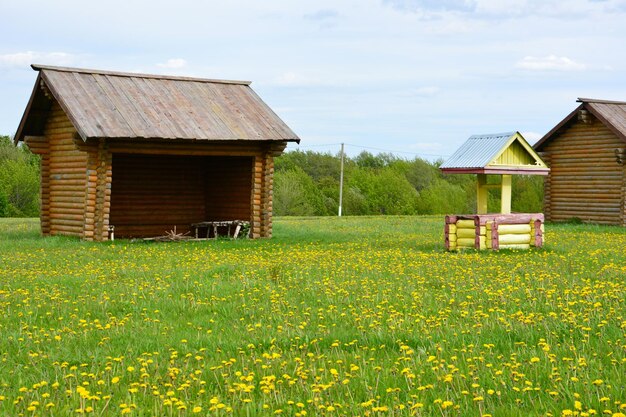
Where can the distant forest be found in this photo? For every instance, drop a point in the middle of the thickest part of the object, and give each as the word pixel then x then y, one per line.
pixel 307 184
pixel 19 180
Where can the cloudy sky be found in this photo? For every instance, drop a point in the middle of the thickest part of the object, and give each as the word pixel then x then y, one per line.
pixel 417 76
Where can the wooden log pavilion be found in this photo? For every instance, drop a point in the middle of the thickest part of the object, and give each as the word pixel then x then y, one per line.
pixel 150 153
pixel 501 154
pixel 586 152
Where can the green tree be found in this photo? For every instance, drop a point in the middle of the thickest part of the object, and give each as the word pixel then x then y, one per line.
pixel 527 193
pixel 420 173
pixel 19 179
pixel 386 190
pixel 4 204
pixel 295 194
pixel 316 165
pixel 442 198
pixel 385 184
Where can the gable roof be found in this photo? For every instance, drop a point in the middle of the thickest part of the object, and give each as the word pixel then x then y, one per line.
pixel 105 104
pixel 610 113
pixel 500 153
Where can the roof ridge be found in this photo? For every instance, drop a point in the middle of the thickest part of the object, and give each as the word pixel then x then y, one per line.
pixel 39 67
pixel 593 100
pixel 494 135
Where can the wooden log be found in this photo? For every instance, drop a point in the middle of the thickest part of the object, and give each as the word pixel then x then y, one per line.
pixel 69 176
pixel 61 232
pixel 515 246
pixel 588 208
pixel 513 218
pixel 495 234
pixel 465 242
pixel 66 166
pixel 65 216
pixel 451 219
pixel 513 239
pixel 466 233
pixel 465 224
pixel 58 222
pixel 506 229
pixel 61 130
pixel 537 234
pixel 59 209
pixel 585 216
pixel 591 195
pixel 185 152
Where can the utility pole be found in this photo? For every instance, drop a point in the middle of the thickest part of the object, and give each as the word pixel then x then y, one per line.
pixel 341 182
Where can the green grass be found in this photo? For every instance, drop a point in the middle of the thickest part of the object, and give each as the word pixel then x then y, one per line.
pixel 350 316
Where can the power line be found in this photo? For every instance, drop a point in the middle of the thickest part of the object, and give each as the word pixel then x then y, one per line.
pixel 395 151
pixel 319 146
pixel 374 149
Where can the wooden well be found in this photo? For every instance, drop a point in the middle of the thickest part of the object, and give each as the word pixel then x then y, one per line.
pixel 503 155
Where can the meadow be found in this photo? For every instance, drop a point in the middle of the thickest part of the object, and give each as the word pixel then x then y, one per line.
pixel 346 316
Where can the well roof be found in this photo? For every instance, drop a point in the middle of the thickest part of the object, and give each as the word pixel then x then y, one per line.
pixel 106 104
pixel 489 154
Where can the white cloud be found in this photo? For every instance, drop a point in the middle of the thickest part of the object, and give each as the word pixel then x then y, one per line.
pixel 24 59
pixel 550 63
pixel 174 63
pixel 509 9
pixel 435 5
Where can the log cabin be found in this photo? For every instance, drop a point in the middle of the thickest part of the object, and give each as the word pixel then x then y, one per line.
pixel 148 153
pixel 586 152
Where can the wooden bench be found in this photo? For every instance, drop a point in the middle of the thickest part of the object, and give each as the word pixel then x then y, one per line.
pixel 214 225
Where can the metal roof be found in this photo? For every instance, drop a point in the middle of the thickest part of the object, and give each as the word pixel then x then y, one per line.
pixel 611 113
pixel 478 151
pixel 499 153
pixel 105 104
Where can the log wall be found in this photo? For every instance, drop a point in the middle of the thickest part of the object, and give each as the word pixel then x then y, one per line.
pixel 39 145
pixel 153 194
pixel 63 178
pixel 150 194
pixel 147 188
pixel 227 188
pixel 585 181
pixel 97 189
pixel 262 196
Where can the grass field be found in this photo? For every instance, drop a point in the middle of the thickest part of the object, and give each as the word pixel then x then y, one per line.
pixel 351 316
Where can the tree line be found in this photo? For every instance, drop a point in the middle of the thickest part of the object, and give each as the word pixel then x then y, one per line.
pixel 306 183
pixel 19 180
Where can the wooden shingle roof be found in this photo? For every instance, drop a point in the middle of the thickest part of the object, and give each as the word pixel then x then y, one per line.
pixel 611 113
pixel 105 104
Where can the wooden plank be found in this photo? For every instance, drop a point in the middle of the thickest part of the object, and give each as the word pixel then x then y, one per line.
pixel 538 233
pixel 513 218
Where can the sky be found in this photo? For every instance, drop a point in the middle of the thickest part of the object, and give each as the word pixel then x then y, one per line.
pixel 416 77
